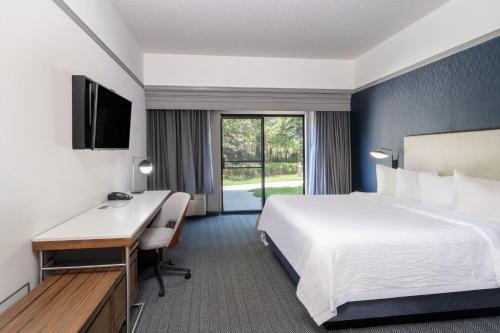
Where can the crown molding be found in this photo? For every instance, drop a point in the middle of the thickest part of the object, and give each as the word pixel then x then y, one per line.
pixel 75 18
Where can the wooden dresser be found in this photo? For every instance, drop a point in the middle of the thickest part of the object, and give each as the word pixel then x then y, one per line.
pixel 72 301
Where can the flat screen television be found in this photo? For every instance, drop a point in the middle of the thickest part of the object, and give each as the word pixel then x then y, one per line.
pixel 112 120
pixel 101 117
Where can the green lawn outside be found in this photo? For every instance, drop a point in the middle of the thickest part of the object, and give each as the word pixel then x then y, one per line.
pixel 257 180
pixel 277 190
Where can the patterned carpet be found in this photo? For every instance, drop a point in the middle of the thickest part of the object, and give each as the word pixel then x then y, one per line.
pixel 239 286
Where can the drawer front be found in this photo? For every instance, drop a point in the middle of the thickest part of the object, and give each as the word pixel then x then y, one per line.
pixel 103 322
pixel 119 302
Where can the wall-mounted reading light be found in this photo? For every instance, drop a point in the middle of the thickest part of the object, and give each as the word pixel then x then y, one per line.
pixel 145 167
pixel 383 153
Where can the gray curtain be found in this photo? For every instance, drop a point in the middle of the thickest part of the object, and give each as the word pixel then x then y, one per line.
pixel 329 169
pixel 179 148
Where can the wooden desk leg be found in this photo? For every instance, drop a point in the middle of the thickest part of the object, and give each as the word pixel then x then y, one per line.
pixel 127 269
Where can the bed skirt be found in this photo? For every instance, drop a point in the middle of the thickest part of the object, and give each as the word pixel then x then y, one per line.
pixel 455 305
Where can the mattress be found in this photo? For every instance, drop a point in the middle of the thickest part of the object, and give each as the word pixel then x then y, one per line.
pixel 361 246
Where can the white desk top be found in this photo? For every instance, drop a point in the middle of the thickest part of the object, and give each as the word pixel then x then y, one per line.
pixel 121 219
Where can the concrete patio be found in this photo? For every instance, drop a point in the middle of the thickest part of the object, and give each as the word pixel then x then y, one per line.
pixel 239 197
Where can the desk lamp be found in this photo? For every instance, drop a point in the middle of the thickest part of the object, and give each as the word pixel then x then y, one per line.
pixel 145 167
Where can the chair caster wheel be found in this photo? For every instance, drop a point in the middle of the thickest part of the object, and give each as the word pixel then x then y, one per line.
pixel 161 293
pixel 187 276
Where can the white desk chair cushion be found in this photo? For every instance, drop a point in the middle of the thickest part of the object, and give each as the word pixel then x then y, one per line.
pixel 158 235
pixel 155 238
pixel 172 210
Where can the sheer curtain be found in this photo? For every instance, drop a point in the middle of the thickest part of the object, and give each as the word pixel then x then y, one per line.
pixel 179 148
pixel 329 160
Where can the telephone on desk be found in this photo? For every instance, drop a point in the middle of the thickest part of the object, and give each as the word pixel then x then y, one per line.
pixel 119 196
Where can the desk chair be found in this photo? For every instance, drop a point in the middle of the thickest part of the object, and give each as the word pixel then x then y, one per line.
pixel 158 236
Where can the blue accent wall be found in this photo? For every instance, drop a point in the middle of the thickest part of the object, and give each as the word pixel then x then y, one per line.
pixel 460 92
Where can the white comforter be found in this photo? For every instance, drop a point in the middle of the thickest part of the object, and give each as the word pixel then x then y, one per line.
pixel 367 246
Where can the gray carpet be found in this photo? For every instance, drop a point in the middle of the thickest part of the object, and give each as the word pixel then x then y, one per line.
pixel 239 286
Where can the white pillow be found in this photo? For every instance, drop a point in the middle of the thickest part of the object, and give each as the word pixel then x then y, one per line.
pixel 435 190
pixel 408 184
pixel 477 196
pixel 386 180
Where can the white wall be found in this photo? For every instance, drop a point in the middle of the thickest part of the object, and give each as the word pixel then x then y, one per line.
pixel 224 71
pixel 448 27
pixel 451 25
pixel 43 180
pixel 104 20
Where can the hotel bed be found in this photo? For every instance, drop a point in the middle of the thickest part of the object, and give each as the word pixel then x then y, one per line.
pixel 367 256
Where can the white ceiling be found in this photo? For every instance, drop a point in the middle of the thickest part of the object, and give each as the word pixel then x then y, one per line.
pixel 337 29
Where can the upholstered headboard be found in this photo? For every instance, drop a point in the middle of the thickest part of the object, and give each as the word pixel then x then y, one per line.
pixel 476 153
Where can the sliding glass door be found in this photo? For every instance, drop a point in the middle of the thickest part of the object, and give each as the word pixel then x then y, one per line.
pixel 261 156
pixel 242 163
pixel 284 155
